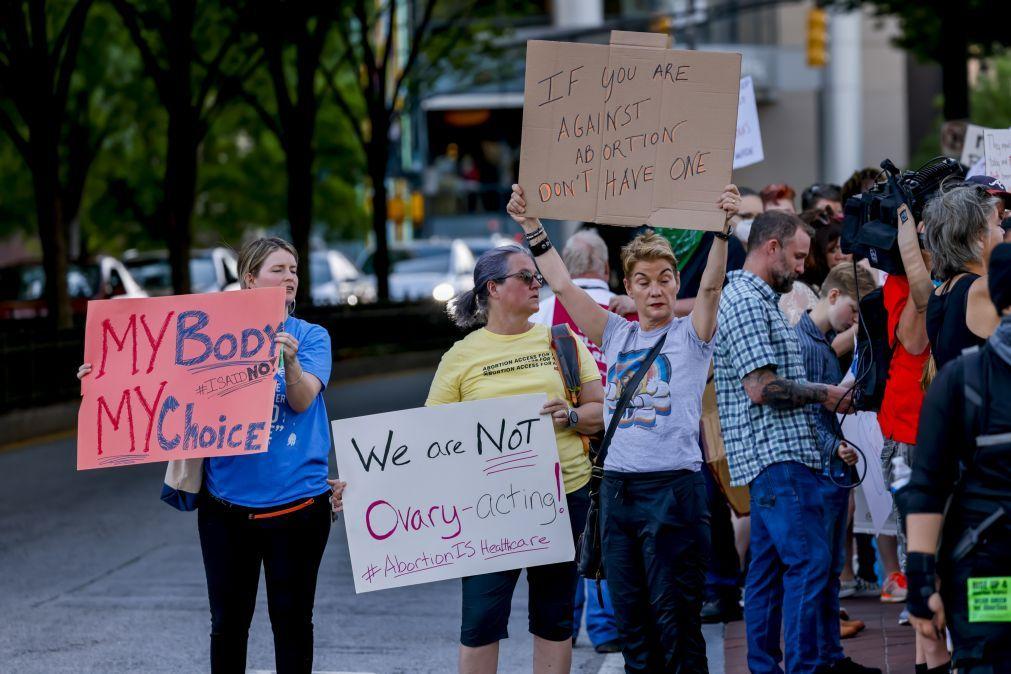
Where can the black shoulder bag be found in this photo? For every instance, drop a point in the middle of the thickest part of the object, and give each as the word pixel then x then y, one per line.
pixel 588 553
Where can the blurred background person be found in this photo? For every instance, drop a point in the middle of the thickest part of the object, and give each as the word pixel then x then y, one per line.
pixel 962 227
pixel 751 206
pixel 778 197
pixel 820 196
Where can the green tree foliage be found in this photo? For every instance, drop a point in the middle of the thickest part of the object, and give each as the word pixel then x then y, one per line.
pixel 39 49
pixel 947 33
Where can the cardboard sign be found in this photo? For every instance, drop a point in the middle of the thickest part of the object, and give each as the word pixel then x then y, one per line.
pixel 179 377
pixel 972 150
pixel 629 133
pixel 748 148
pixel 997 144
pixel 450 491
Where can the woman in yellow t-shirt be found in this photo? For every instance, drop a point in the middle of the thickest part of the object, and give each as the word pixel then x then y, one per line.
pixel 509 355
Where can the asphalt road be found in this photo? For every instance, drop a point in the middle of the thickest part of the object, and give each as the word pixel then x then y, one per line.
pixel 98 575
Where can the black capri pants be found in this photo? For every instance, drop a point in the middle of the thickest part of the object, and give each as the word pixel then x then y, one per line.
pixel 487 599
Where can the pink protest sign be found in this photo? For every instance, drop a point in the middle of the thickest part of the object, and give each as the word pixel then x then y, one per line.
pixel 179 377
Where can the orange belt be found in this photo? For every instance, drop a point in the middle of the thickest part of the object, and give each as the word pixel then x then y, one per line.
pixel 277 513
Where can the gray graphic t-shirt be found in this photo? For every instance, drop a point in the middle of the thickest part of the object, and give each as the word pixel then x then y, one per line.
pixel 659 430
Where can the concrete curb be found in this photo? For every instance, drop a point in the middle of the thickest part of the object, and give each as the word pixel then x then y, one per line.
pixel 18 426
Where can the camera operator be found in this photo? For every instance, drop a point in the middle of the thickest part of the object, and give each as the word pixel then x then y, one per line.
pixel 964 452
pixel 962 227
pixel 906 297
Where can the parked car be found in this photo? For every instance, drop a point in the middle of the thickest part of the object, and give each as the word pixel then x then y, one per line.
pixel 211 270
pixel 426 269
pixel 23 286
pixel 481 245
pixel 336 280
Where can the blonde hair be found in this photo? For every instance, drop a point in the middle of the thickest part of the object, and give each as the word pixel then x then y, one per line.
pixel 646 248
pixel 852 284
pixel 255 252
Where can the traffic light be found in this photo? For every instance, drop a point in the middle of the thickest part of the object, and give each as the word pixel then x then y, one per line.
pixel 817 38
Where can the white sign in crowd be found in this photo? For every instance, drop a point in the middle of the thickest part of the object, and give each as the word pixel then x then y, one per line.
pixel 453 490
pixel 748 147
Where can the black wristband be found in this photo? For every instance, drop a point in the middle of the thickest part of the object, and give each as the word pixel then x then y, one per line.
pixel 540 247
pixel 530 236
pixel 722 236
pixel 921 582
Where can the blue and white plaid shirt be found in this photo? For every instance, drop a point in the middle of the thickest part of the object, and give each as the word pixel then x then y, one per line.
pixel 753 333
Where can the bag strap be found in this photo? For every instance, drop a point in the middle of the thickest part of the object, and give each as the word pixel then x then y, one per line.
pixel 567 356
pixel 626 397
pixel 973 391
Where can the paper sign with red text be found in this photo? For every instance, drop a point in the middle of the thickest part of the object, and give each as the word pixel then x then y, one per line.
pixel 452 490
pixel 179 377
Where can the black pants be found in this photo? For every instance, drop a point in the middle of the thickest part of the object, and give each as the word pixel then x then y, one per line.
pixel 656 548
pixel 290 547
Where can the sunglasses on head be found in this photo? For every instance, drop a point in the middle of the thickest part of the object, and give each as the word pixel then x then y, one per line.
pixel 526 277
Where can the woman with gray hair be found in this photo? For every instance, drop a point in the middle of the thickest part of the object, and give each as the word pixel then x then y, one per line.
pixel 508 355
pixel 962 227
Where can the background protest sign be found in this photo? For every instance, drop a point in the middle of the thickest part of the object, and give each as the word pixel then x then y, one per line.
pixel 452 490
pixel 178 377
pixel 972 150
pixel 998 154
pixel 629 133
pixel 748 147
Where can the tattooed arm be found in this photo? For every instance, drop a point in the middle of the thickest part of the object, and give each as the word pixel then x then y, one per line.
pixel 764 387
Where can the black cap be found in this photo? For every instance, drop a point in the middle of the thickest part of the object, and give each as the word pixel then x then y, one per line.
pixel 999 276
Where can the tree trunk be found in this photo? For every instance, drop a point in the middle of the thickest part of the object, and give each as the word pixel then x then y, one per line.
pixel 299 156
pixel 52 235
pixel 378 154
pixel 183 143
pixel 180 193
pixel 954 53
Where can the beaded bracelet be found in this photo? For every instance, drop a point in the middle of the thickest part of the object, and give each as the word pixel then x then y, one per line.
pixel 530 236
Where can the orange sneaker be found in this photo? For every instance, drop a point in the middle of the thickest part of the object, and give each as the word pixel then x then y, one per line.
pixel 894 590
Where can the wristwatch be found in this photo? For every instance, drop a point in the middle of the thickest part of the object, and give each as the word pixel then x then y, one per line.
pixel 573 418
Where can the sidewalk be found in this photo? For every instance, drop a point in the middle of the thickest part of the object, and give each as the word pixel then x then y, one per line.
pixel 884 643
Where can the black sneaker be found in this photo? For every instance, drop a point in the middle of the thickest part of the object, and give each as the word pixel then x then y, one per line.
pixel 720 612
pixel 613 646
pixel 847 666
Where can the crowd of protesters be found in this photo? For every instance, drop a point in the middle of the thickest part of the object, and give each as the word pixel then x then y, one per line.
pixel 789 306
pixel 765 313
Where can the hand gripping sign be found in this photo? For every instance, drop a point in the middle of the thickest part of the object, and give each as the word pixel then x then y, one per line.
pixel 450 491
pixel 180 377
pixel 629 133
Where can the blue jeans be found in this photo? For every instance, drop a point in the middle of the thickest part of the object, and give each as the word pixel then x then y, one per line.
pixel 837 507
pixel 600 626
pixel 788 577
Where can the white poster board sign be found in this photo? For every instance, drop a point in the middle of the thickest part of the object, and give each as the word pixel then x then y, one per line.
pixel 873 499
pixel 453 490
pixel 748 146
pixel 998 154
pixel 972 149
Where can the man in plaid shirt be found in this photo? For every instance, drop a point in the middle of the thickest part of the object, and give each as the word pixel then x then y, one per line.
pixel 771 446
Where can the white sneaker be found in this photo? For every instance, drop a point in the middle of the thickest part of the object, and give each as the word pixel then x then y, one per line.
pixel 904 617
pixel 847 588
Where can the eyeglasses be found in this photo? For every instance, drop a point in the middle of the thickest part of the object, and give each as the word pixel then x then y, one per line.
pixel 526 277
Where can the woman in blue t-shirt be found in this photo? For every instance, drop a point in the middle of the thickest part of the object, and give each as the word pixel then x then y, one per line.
pixel 272 509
